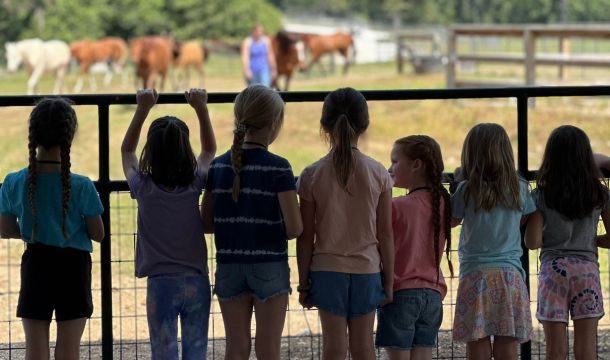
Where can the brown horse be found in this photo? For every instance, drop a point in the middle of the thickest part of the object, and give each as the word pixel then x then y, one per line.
pixel 284 47
pixel 87 52
pixel 190 55
pixel 153 57
pixel 318 45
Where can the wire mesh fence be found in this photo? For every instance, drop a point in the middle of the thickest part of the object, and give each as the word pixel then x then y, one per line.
pixel 118 328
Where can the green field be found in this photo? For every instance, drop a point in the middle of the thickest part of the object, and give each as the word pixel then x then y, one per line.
pixel 300 142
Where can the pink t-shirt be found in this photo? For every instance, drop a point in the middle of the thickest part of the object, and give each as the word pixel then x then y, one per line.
pixel 415 264
pixel 346 225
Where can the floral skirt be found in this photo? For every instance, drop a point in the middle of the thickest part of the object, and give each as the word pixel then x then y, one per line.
pixel 492 302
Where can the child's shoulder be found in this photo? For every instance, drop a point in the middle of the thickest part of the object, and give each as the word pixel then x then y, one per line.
pixel 79 180
pixel 276 159
pixel 16 176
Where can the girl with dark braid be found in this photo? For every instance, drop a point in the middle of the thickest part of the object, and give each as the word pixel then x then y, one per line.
pixel 346 251
pixel 421 220
pixel 250 204
pixel 171 251
pixel 57 213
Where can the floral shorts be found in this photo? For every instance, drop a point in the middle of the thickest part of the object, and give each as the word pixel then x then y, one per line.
pixel 492 302
pixel 568 284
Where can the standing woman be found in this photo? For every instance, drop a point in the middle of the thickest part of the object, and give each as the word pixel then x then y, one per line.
pixel 257 59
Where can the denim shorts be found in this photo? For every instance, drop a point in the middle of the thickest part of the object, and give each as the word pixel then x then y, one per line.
pixel 411 320
pixel 345 294
pixel 261 280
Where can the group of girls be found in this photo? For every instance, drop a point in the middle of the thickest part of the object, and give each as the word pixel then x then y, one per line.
pixel 360 252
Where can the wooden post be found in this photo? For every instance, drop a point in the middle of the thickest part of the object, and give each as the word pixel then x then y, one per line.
pixel 399 58
pixel 452 58
pixel 529 42
pixel 564 48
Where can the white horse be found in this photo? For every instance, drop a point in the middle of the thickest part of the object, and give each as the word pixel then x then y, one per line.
pixel 39 57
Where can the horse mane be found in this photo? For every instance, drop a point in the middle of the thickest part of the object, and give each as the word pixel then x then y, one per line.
pixel 284 40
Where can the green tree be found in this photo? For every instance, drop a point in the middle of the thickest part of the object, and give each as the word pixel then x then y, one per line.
pixel 222 18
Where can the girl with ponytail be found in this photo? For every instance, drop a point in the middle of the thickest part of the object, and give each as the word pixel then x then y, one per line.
pixel 57 213
pixel 167 182
pixel 421 220
pixel 346 253
pixel 251 206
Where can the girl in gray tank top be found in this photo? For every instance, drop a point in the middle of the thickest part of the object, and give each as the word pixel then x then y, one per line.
pixel 570 198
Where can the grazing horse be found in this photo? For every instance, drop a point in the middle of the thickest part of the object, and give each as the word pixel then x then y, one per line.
pixel 154 56
pixel 190 55
pixel 39 57
pixel 112 51
pixel 318 45
pixel 286 57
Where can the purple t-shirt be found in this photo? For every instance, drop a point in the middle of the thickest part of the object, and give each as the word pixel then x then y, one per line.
pixel 170 231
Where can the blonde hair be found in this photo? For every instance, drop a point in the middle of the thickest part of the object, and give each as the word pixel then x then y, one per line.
pixel 489 166
pixel 345 116
pixel 256 107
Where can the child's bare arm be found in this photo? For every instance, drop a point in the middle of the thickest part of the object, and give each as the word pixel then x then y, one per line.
pixel 198 99
pixel 385 236
pixel 602 161
pixel 207 212
pixel 533 231
pixel 9 227
pixel 95 227
pixel 305 244
pixel 291 214
pixel 146 99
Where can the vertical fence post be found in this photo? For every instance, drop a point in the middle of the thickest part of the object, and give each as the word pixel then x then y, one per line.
pixel 104 191
pixel 522 165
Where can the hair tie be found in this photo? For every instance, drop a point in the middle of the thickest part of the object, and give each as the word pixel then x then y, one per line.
pixel 241 128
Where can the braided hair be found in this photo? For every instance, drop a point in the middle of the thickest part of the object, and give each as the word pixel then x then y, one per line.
pixel 428 151
pixel 52 123
pixel 345 116
pixel 256 107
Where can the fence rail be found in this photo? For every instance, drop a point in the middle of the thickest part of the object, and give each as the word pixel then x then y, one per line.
pixel 106 187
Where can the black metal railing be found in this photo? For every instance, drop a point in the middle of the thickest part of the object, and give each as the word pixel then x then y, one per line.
pixel 106 187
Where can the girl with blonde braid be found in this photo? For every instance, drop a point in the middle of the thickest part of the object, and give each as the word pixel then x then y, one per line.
pixel 56 213
pixel 250 204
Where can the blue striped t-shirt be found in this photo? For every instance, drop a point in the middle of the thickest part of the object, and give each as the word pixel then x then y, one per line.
pixel 252 229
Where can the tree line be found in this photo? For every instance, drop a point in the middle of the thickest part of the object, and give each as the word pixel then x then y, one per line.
pixel 232 19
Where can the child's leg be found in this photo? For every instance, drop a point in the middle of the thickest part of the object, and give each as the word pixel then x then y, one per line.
pixel 236 316
pixel 421 353
pixel 585 338
pixel 164 297
pixel 69 334
pixel 334 336
pixel 505 348
pixel 479 350
pixel 361 344
pixel 270 315
pixel 398 354
pixel 556 340
pixel 194 317
pixel 36 339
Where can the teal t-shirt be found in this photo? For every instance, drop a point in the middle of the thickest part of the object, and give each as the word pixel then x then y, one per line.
pixel 490 238
pixel 84 202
